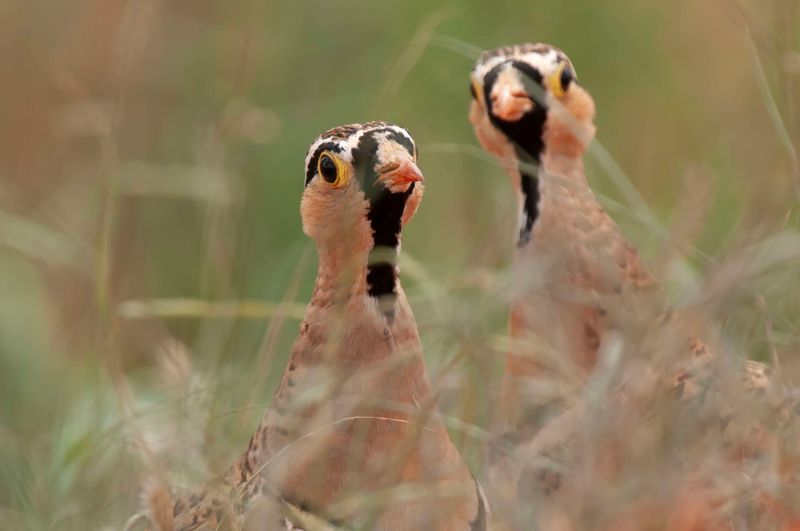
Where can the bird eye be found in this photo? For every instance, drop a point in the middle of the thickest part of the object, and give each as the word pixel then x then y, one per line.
pixel 566 78
pixel 327 168
pixel 332 169
pixel 560 80
pixel 476 91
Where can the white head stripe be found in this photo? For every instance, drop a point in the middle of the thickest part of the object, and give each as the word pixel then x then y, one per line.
pixel 543 58
pixel 349 143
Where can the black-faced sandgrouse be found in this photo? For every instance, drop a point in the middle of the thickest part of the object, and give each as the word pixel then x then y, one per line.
pixel 353 438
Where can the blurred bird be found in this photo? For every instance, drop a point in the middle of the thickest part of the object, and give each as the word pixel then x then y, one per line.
pixel 579 286
pixel 352 438
pixel 576 278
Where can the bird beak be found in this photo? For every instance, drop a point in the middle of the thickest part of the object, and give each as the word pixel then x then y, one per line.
pixel 510 101
pixel 399 175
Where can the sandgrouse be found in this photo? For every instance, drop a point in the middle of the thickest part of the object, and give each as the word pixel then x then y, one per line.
pixel 581 297
pixel 352 438
pixel 578 283
pixel 575 276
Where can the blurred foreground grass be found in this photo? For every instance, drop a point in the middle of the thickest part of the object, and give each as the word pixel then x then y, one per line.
pixel 151 161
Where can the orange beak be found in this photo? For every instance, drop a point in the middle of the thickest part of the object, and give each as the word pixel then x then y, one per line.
pixel 510 102
pixel 399 177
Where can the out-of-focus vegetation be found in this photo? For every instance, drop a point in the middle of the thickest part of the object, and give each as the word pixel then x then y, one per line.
pixel 152 262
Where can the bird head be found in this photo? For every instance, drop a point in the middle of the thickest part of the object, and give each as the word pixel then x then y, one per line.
pixel 527 103
pixel 362 185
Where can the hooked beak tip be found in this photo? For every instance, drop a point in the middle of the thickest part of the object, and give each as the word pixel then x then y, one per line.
pixel 404 174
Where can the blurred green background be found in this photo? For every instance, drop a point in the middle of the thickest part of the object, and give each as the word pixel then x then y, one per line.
pixel 154 150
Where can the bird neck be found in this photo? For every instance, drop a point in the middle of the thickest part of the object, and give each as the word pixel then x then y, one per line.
pixel 567 170
pixel 368 272
pixel 541 186
pixel 341 275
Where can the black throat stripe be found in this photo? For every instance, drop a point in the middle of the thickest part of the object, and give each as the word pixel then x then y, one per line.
pixel 385 216
pixel 527 136
pixel 530 204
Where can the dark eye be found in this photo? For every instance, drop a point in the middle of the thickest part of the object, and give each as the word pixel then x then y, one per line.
pixel 566 78
pixel 327 168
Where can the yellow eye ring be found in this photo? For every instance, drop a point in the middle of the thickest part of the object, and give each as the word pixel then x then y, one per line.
pixel 559 81
pixel 477 92
pixel 332 169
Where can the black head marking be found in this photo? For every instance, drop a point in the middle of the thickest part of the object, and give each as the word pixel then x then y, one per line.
pixel 311 169
pixel 526 134
pixel 385 215
pixel 385 211
pixel 334 139
pixel 365 158
pixel 402 139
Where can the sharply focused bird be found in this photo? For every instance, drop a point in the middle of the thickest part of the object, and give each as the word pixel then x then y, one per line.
pixel 353 437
